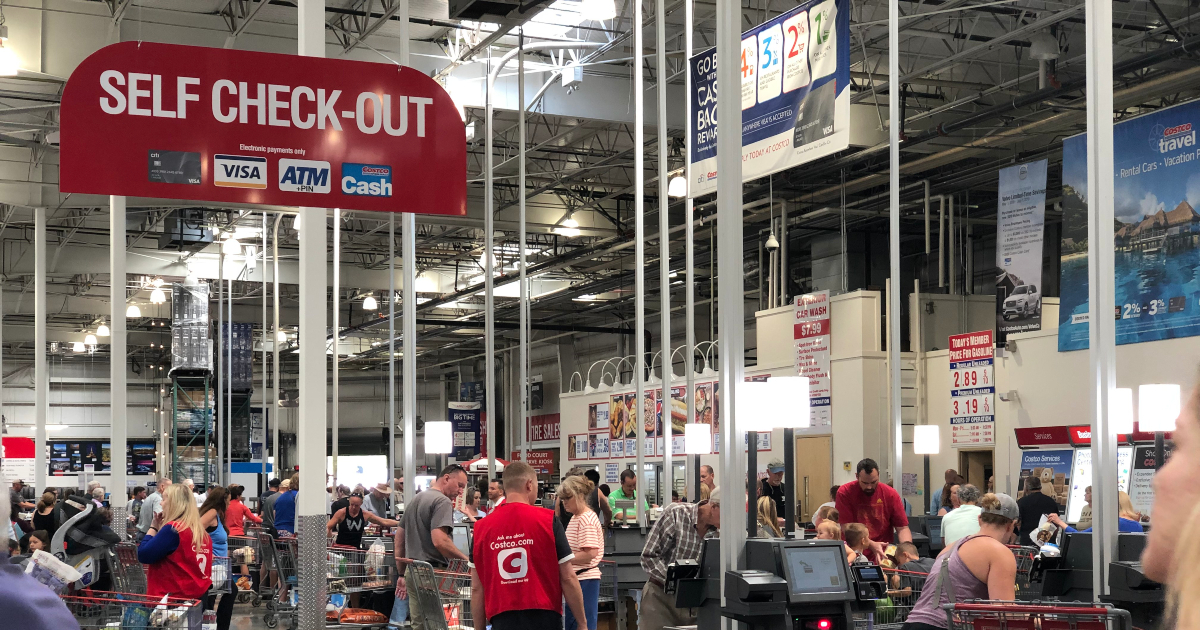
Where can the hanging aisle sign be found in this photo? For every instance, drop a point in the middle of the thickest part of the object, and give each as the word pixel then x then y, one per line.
pixel 972 390
pixel 811 336
pixel 795 72
pixel 208 124
pixel 1021 222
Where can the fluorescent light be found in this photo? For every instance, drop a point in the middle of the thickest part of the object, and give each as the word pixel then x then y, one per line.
pixel 1120 410
pixel 1158 407
pixel 90 340
pixel 439 438
pixel 677 187
pixel 158 296
pixel 103 331
pixel 927 439
pixel 133 311
pixel 78 347
pixel 370 304
pixel 697 439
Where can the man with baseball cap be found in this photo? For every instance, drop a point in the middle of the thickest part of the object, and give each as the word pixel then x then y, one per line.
pixel 772 486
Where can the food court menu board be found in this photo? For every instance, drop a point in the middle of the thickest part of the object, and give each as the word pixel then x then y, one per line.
pixel 76 456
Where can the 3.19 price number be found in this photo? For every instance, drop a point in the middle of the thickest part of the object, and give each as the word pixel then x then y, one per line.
pixel 971 405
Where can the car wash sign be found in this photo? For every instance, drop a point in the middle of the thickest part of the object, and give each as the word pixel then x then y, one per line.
pixel 795 79
pixel 208 124
pixel 972 390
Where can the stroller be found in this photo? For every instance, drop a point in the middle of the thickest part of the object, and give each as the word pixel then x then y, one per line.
pixel 85 542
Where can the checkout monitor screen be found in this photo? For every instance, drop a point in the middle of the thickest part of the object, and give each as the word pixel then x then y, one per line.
pixel 814 570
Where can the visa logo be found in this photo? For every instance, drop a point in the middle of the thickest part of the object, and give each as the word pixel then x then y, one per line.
pixel 239 171
pixel 306 176
pixel 368 180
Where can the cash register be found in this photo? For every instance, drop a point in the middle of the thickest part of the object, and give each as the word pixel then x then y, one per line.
pixel 786 585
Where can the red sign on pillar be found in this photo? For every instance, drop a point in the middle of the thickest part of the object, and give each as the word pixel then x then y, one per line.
pixel 208 124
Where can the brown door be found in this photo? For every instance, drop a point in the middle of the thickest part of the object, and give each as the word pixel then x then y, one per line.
pixel 976 466
pixel 814 474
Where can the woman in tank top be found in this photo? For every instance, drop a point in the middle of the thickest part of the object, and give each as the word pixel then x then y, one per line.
pixel 212 517
pixel 976 567
pixel 350 521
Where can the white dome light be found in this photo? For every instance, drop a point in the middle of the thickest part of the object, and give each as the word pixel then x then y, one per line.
pixel 677 187
pixel 231 247
pixel 78 347
pixel 90 340
pixel 370 304
pixel 133 311
pixel 157 296
pixel 570 222
pixel 103 331
pixel 10 64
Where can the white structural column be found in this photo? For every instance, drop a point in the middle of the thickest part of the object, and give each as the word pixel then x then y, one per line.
pixel 337 333
pixel 391 389
pixel 275 349
pixel 310 506
pixel 1101 289
pixel 893 309
pixel 41 368
pixel 489 289
pixel 689 316
pixel 639 260
pixel 408 325
pixel 116 360
pixel 523 342
pixel 730 305
pixel 664 245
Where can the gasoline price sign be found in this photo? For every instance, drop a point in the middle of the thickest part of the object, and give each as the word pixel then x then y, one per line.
pixel 972 390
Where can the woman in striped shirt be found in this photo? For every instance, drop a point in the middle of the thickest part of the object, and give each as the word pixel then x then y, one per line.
pixel 586 537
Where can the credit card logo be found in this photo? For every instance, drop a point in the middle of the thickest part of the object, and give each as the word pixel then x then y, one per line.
pixel 239 171
pixel 368 180
pixel 306 176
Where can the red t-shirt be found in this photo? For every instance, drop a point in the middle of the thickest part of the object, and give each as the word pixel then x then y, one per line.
pixel 881 512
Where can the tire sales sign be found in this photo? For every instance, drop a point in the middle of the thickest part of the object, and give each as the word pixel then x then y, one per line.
pixel 972 389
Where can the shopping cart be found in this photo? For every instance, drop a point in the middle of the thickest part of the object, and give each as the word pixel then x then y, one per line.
pixel 245 551
pixel 904 588
pixel 445 589
pixel 353 570
pixel 222 581
pixel 608 582
pixel 267 574
pixel 128 574
pixel 1027 587
pixel 103 610
pixel 282 603
pixel 993 615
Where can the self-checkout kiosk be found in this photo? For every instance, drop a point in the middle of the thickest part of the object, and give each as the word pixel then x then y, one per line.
pixel 786 585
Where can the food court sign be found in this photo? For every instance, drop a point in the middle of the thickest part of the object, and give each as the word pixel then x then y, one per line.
pixel 208 124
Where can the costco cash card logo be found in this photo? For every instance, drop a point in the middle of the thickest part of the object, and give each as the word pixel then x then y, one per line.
pixel 239 171
pixel 306 176
pixel 368 180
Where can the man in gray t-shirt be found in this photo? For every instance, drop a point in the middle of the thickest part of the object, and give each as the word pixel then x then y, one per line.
pixel 425 532
pixel 152 504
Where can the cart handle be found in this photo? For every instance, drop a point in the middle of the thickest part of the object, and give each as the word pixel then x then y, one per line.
pixel 1031 610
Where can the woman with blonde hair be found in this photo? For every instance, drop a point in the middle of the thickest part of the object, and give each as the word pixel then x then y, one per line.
pixel 768 519
pixel 1128 519
pixel 585 534
pixel 177 552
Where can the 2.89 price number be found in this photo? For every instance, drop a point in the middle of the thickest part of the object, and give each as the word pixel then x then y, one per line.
pixel 971 377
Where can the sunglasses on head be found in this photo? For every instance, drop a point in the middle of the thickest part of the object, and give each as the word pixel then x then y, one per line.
pixel 356 494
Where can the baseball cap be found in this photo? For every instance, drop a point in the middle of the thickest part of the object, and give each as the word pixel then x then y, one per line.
pixel 776 466
pixel 1008 507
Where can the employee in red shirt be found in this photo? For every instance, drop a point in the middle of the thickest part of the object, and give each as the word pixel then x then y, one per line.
pixel 522 568
pixel 876 505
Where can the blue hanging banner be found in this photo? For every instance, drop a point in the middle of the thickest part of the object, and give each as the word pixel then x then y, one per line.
pixel 465 422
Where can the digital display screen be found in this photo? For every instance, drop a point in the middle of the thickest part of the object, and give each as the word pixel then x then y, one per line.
pixel 869 573
pixel 815 570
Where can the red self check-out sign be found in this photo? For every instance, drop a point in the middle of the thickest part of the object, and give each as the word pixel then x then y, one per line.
pixel 208 124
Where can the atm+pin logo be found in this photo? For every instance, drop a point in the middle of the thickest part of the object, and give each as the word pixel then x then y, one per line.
pixel 306 176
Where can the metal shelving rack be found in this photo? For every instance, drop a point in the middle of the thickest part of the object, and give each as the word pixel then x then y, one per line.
pixel 184 437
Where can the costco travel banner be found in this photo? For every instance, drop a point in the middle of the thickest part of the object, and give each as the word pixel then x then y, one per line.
pixel 795 75
pixel 1157 189
pixel 1021 222
pixel 207 124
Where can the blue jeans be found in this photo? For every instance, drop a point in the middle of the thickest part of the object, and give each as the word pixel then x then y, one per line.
pixel 399 612
pixel 591 605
